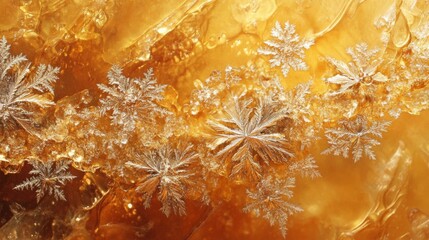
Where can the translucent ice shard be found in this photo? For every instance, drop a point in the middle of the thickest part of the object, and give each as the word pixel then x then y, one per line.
pixel 391 188
pixel 132 40
pixel 419 224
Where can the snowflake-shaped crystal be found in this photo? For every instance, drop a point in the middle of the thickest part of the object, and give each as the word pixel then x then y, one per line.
pixel 362 73
pixel 166 170
pixel 271 201
pixel 131 100
pixel 354 136
pixel 48 178
pixel 245 133
pixel 20 95
pixel 287 49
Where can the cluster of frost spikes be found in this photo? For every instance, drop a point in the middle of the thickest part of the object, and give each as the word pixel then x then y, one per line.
pixel 20 94
pixel 166 171
pixel 243 134
pixel 355 137
pixel 363 70
pixel 132 100
pixel 286 49
pixel 271 201
pixel 48 178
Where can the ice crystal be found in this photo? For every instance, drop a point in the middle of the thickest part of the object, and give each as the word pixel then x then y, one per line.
pixel 355 137
pixel 20 94
pixel 306 168
pixel 209 93
pixel 418 58
pixel 245 133
pixel 287 48
pixel 165 170
pixel 362 71
pixel 271 201
pixel 298 102
pixel 131 100
pixel 48 178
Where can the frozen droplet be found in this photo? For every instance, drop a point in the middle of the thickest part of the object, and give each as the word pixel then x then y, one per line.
pixel 401 32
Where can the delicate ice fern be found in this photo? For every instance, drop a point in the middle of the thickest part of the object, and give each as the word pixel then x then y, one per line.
pixel 271 201
pixel 306 168
pixel 20 94
pixel 287 49
pixel 245 133
pixel 354 137
pixel 165 170
pixel 131 100
pixel 362 71
pixel 48 178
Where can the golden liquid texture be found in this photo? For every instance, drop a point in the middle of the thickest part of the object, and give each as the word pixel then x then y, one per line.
pixel 214 119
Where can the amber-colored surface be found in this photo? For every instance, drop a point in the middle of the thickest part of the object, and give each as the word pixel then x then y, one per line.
pixel 184 41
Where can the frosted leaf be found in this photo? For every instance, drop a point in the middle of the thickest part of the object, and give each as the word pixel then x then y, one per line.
pixel 271 201
pixel 244 134
pixel 167 172
pixel 354 137
pixel 131 100
pixel 286 49
pixel 20 94
pixel 362 71
pixel 48 178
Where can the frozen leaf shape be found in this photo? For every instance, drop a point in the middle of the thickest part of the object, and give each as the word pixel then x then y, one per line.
pixel 244 134
pixel 355 137
pixel 131 100
pixel 20 94
pixel 48 178
pixel 363 70
pixel 271 201
pixel 167 171
pixel 286 49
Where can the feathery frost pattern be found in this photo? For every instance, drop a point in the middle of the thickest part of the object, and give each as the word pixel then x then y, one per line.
pixel 362 73
pixel 250 131
pixel 307 167
pixel 165 170
pixel 271 201
pixel 49 178
pixel 355 137
pixel 286 49
pixel 244 133
pixel 20 94
pixel 132 100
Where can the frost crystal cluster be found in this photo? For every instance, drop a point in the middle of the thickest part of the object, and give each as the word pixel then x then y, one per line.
pixel 287 48
pixel 218 120
pixel 48 179
pixel 22 95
